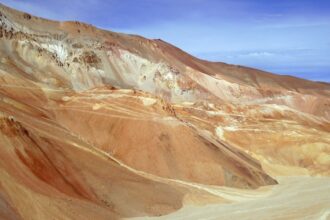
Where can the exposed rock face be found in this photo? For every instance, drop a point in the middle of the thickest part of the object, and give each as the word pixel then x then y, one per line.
pixel 99 125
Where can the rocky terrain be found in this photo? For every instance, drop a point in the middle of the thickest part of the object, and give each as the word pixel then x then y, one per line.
pixel 102 125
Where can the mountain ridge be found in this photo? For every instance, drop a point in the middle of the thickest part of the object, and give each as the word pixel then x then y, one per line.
pixel 110 125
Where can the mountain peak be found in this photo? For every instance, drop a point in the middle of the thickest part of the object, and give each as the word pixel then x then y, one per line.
pixel 98 124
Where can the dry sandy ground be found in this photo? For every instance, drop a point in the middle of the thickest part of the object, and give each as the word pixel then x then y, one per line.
pixel 294 198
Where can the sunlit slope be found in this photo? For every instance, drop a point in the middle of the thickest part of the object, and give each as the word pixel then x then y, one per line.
pixel 103 125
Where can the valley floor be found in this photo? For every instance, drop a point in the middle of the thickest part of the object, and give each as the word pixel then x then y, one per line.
pixel 294 198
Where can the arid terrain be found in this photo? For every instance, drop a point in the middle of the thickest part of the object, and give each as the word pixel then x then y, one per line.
pixel 102 125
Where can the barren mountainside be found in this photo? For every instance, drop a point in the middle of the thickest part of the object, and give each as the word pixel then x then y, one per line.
pixel 102 125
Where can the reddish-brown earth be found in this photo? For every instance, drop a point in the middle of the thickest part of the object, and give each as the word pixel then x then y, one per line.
pixel 101 125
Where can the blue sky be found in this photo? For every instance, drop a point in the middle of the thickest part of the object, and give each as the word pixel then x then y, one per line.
pixel 281 36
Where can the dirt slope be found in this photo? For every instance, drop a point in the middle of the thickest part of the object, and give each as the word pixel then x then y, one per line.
pixel 102 125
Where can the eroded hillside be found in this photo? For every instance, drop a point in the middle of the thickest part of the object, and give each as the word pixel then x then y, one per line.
pixel 97 124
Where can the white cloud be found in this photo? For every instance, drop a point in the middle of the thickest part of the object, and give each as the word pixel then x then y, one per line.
pixel 259 54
